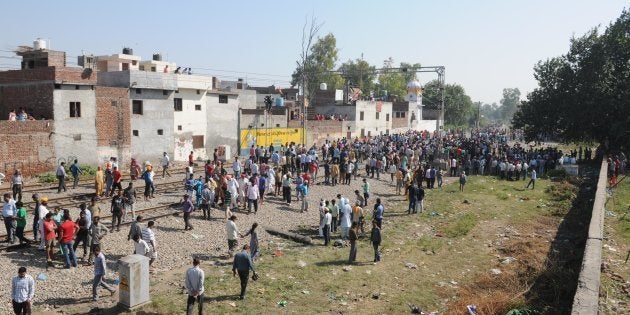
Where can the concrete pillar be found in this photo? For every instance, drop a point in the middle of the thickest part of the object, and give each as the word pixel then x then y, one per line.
pixel 134 281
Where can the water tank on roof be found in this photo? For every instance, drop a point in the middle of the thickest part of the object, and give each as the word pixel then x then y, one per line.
pixel 323 86
pixel 127 51
pixel 157 57
pixel 39 44
pixel 279 102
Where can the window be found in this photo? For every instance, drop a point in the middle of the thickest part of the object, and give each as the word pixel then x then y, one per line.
pixel 164 92
pixel 179 127
pixel 197 106
pixel 134 62
pixel 114 103
pixel 223 99
pixel 152 69
pixel 377 115
pixel 75 109
pixel 198 92
pixel 402 114
pixel 277 125
pixel 136 107
pixel 135 133
pixel 362 132
pixel 178 104
pixel 57 86
pixel 125 66
pixel 397 114
pixel 77 137
pixel 369 133
pixel 177 91
pixel 198 142
pixel 361 115
pixel 386 117
pixel 141 68
pixel 138 91
pixel 160 132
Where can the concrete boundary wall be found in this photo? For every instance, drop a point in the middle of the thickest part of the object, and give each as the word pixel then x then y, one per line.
pixel 586 299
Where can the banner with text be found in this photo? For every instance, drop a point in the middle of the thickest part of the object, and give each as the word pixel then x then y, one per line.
pixel 266 137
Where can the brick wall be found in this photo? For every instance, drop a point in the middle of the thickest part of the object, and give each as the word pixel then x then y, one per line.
pixel 35 97
pixel 107 116
pixel 26 146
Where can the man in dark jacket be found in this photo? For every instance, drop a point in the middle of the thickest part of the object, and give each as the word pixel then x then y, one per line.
pixel 242 264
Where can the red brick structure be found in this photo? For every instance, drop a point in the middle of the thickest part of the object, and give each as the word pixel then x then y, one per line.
pixel 26 145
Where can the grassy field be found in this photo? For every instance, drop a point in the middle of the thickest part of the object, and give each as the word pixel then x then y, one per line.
pixel 486 246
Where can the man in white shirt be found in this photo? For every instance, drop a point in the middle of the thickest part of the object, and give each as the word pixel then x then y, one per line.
pixel 194 285
pixel 22 292
pixel 165 163
pixel 9 213
pixel 346 223
pixel 327 223
pixel 61 176
pixel 236 167
pixel 140 246
pixel 42 210
pixel 149 237
pixel 232 234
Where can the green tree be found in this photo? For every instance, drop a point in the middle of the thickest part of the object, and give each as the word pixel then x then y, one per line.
pixel 317 61
pixel 359 73
pixel 509 103
pixel 458 107
pixel 394 81
pixel 583 95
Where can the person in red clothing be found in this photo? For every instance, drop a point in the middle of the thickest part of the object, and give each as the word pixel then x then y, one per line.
pixel 67 230
pixel 49 236
pixel 307 179
pixel 117 176
pixel 312 168
pixel 190 159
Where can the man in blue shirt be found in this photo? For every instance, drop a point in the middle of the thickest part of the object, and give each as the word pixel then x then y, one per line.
pixel 378 213
pixel 76 172
pixel 242 265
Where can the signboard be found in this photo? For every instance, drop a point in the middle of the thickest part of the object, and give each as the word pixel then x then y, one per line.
pixel 265 137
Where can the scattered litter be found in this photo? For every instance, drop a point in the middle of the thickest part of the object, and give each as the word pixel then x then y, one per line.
pixel 42 277
pixel 466 201
pixel 331 296
pixel 453 282
pixel 472 309
pixel 195 236
pixel 306 292
pixel 611 214
pixel 301 264
pixel 232 304
pixel 376 295
pixel 346 268
pixel 343 303
pixel 283 303
pixel 117 281
pixel 508 260
pixel 277 254
pixel 411 266
pixel 369 272
pixel 495 271
pixel 338 243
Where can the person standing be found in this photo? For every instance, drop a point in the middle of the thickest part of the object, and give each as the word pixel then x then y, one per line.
pixel 207 198
pixel 462 181
pixel 232 234
pixel 20 223
pixel 149 237
pixel 82 235
pixel 22 292
pixel 67 230
pixel 413 198
pixel 327 224
pixel 334 212
pixel 98 181
pixel 140 247
pixel 253 194
pixel 375 239
pixel 76 172
pixel 420 200
pixel 243 264
pixel 109 179
pixel 100 270
pixel 117 209
pixel 532 180
pixel 16 185
pixel 378 213
pixel 61 177
pixel 97 233
pixel 345 220
pixel 236 167
pixel 117 181
pixel 286 188
pixel 48 227
pixel 366 192
pixel 9 213
pixel 165 163
pixel 129 198
pixel 194 285
pixel 135 228
pixel 187 209
pixel 353 243
pixel 36 217
pixel 253 241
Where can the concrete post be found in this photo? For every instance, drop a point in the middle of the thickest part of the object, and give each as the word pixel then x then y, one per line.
pixel 134 281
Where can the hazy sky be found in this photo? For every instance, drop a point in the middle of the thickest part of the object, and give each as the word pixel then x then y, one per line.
pixel 485 45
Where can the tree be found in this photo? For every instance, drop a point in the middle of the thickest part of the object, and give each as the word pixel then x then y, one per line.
pixel 458 107
pixel 317 60
pixel 583 95
pixel 359 73
pixel 394 81
pixel 509 103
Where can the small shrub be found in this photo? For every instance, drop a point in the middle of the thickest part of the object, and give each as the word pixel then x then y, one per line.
pixel 557 174
pixel 88 170
pixel 462 226
pixel 47 178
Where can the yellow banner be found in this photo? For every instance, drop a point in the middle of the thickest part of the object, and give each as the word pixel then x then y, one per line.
pixel 266 137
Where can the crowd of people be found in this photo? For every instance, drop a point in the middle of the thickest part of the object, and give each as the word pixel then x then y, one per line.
pixel 414 160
